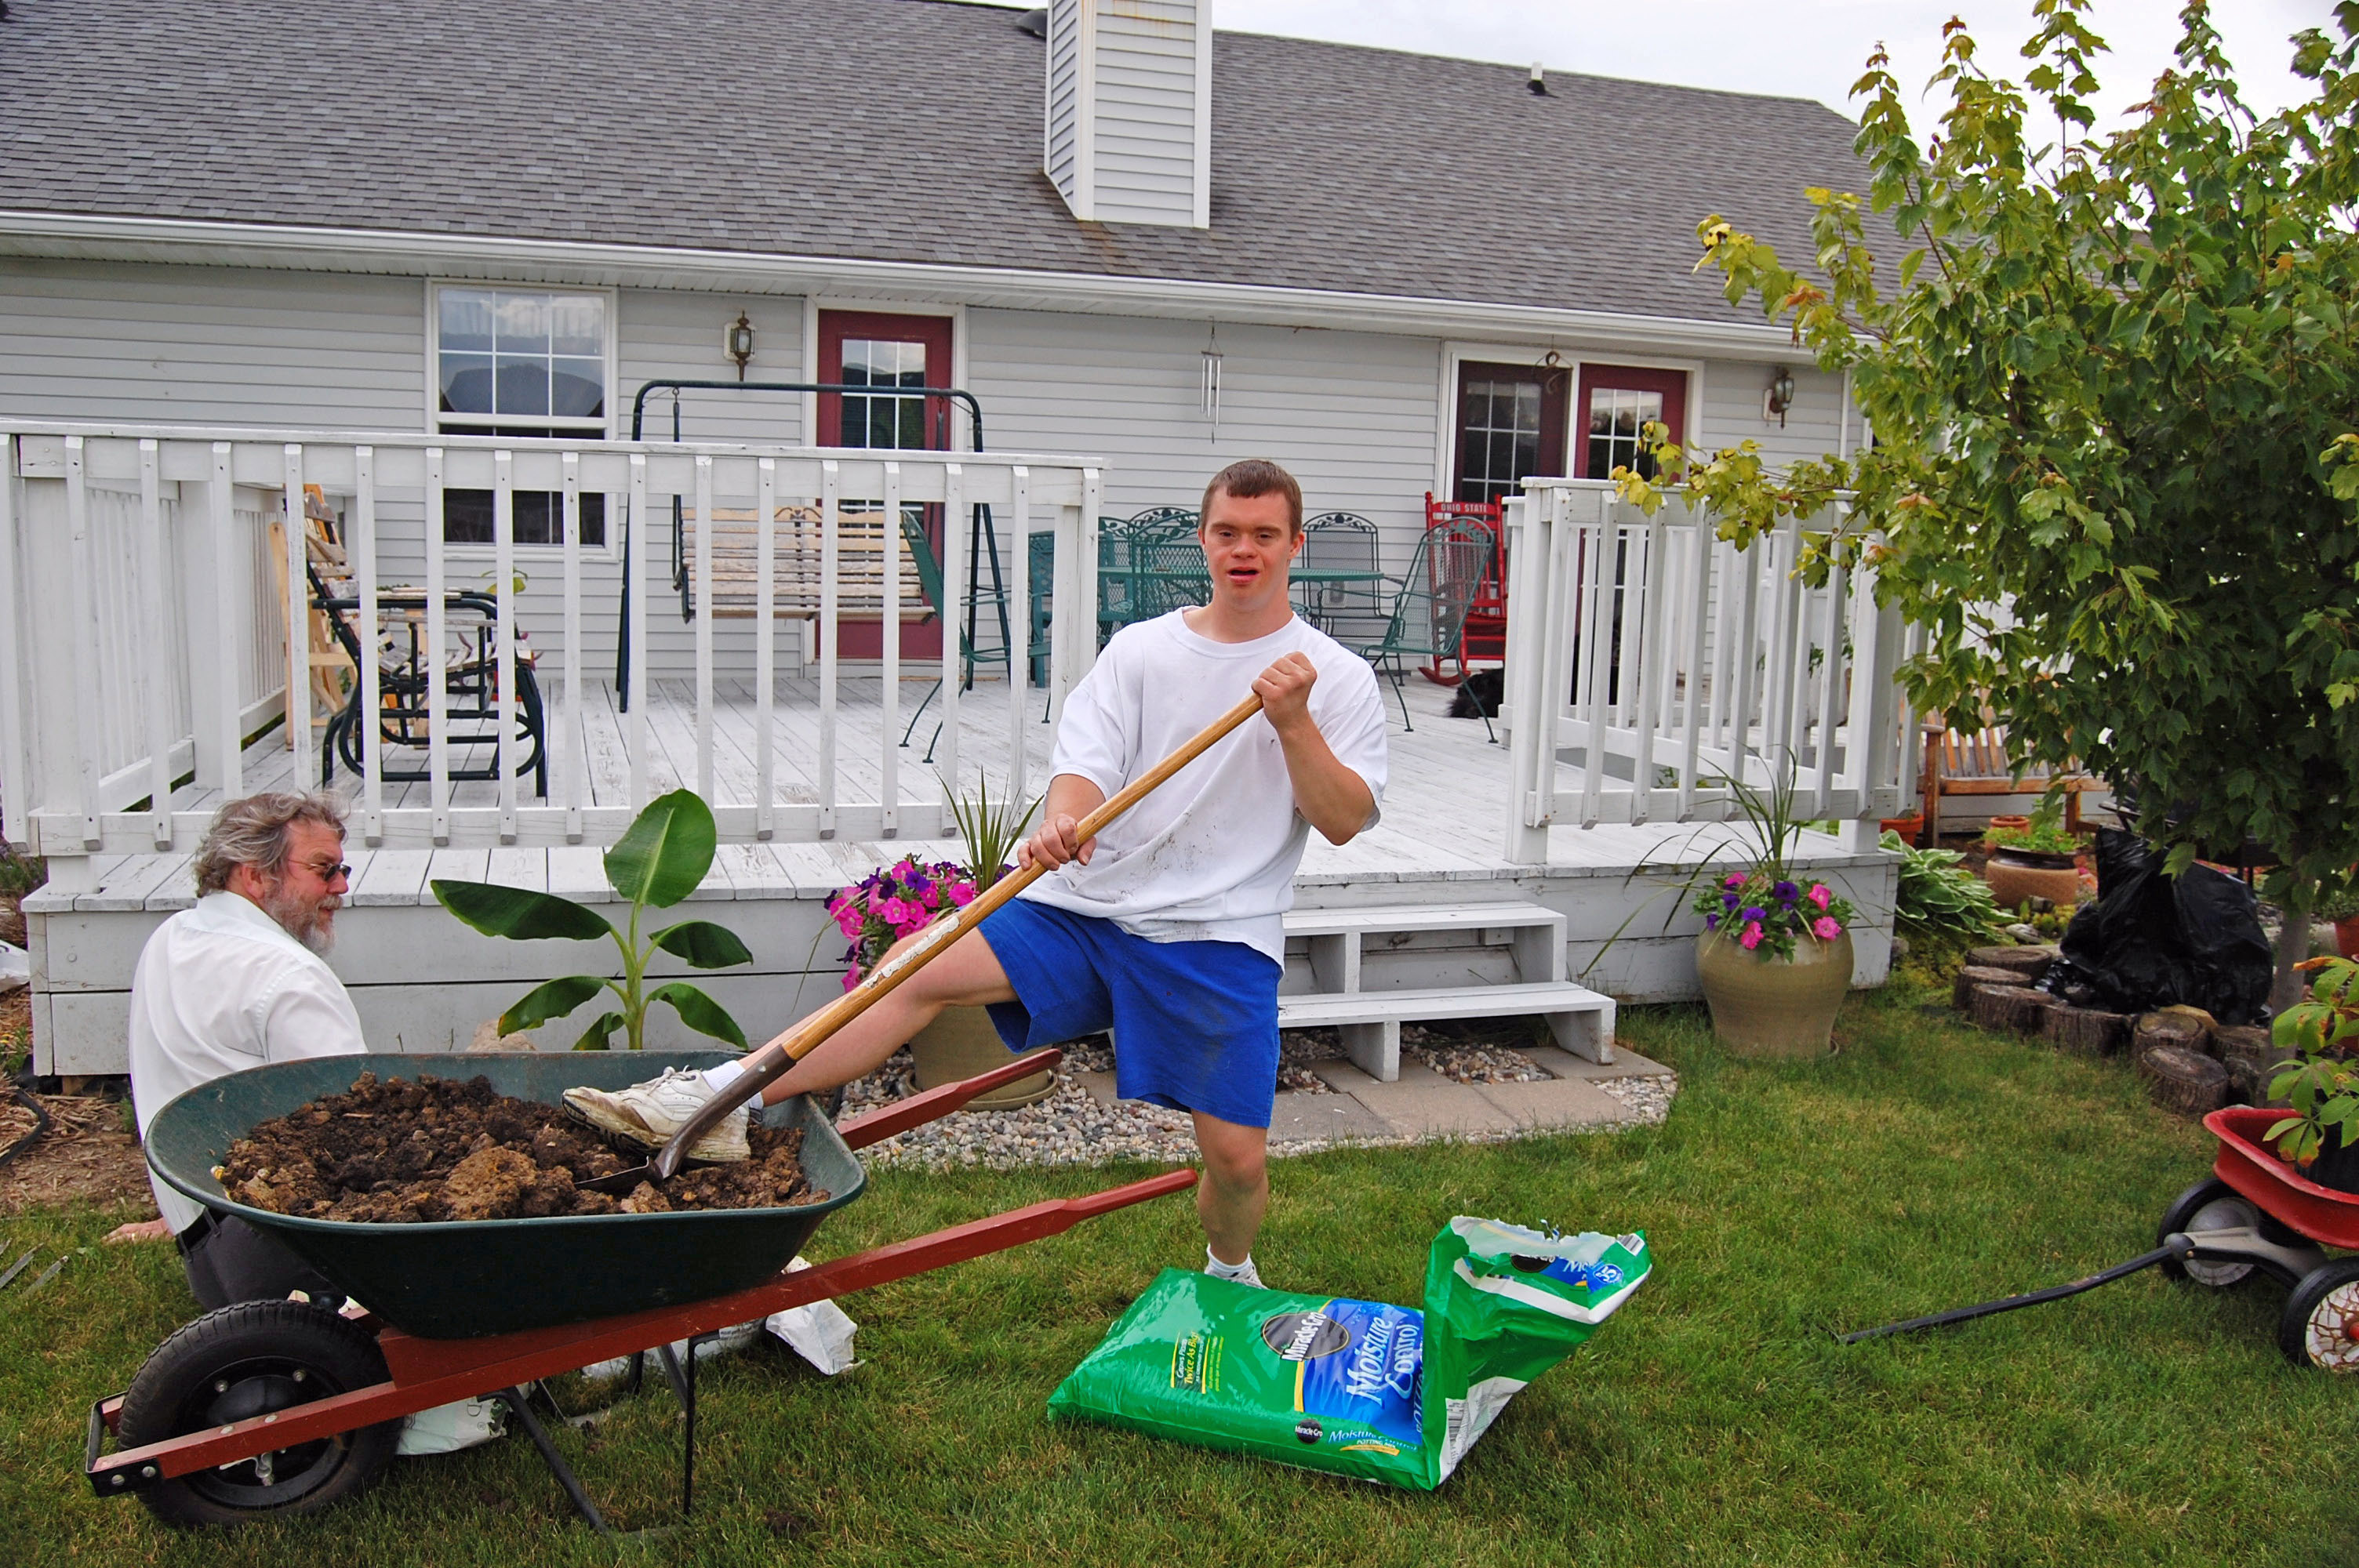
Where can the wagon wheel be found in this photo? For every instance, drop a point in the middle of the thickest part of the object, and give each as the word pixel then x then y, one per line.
pixel 246 1360
pixel 2321 1325
pixel 2210 1204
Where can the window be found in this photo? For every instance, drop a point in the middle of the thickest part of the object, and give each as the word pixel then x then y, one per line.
pixel 1510 428
pixel 1616 404
pixel 896 422
pixel 524 363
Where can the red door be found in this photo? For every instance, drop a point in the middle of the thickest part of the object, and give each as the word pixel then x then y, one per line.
pixel 1616 401
pixel 891 352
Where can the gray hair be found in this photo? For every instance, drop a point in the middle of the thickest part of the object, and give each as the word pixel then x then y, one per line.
pixel 254 832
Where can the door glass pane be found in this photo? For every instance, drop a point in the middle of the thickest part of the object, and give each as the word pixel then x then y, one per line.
pixel 894 422
pixel 1616 419
pixel 1499 440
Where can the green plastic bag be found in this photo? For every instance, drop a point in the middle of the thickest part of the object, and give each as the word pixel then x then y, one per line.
pixel 1385 1393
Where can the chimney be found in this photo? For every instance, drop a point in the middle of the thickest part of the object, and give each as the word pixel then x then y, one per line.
pixel 1128 134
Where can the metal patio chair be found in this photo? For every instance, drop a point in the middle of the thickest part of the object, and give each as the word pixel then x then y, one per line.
pixel 1428 615
pixel 1347 611
pixel 1040 568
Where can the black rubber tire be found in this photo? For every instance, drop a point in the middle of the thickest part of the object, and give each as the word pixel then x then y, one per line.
pixel 249 1360
pixel 2340 1349
pixel 2184 1214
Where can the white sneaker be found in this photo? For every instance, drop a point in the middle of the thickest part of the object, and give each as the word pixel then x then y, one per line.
pixel 1243 1273
pixel 652 1111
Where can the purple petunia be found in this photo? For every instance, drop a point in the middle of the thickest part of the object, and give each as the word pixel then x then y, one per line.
pixel 1754 912
pixel 1787 891
pixel 1728 901
pixel 1712 922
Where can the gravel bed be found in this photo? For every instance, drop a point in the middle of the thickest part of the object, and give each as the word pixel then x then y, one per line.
pixel 1649 1098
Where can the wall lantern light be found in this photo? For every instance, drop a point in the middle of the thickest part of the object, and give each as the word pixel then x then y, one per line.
pixel 1779 396
pixel 738 342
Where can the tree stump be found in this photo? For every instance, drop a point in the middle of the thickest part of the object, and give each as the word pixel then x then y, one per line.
pixel 2086 1031
pixel 1962 990
pixel 2184 1081
pixel 2018 1009
pixel 2186 1030
pixel 2031 963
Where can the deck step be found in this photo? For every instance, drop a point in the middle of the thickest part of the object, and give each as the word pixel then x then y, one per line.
pixel 1419 917
pixel 1334 940
pixel 1369 1022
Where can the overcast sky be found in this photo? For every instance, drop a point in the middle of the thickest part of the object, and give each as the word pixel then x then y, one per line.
pixel 1801 48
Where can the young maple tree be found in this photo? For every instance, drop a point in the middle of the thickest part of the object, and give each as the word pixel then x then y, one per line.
pixel 2113 388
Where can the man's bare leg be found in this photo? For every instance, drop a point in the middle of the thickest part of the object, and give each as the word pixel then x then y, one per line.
pixel 1235 1190
pixel 968 975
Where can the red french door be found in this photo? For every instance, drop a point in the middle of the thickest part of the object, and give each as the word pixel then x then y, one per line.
pixel 895 354
pixel 1616 402
pixel 1510 428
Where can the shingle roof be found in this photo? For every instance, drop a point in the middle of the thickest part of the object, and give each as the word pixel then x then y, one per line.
pixel 893 130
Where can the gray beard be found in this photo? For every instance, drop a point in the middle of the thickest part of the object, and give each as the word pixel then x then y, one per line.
pixel 302 920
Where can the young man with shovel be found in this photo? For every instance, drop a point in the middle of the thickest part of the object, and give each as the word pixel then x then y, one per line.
pixel 1166 927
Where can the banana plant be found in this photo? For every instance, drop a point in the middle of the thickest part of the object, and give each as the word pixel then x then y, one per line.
pixel 655 864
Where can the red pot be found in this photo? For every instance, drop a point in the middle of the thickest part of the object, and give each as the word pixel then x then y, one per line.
pixel 2346 937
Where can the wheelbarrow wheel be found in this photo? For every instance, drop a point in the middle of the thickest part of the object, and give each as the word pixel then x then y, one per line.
pixel 2320 1324
pixel 2210 1204
pixel 249 1360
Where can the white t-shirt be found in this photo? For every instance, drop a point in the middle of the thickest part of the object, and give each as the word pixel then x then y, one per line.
pixel 1210 856
pixel 220 987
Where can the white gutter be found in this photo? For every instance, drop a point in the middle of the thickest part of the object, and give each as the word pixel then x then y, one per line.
pixel 74 236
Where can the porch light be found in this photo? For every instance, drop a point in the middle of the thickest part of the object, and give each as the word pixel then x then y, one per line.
pixel 738 342
pixel 1780 397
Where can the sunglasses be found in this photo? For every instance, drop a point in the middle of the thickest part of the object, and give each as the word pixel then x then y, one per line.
pixel 328 873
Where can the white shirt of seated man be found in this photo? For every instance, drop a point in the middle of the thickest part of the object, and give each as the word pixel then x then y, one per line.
pixel 238 981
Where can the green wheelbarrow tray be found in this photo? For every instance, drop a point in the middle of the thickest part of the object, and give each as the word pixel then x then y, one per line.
pixel 465 1279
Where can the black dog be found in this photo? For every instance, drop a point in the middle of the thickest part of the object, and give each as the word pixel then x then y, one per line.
pixel 1477 696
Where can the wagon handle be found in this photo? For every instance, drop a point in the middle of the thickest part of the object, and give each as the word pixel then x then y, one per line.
pixel 765 1065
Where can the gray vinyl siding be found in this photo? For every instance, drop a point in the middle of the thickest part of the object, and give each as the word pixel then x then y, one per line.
pixel 1351 415
pixel 1732 411
pixel 1147 112
pixel 127 343
pixel 1060 154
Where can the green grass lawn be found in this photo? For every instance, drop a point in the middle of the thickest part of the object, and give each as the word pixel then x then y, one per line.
pixel 1714 1420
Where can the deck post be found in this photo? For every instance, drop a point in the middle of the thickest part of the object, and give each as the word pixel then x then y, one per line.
pixel 1522 697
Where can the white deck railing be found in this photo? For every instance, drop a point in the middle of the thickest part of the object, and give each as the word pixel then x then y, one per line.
pixel 1654 662
pixel 142 639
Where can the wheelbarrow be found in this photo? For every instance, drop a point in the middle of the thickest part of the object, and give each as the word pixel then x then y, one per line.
pixel 2254 1214
pixel 265 1408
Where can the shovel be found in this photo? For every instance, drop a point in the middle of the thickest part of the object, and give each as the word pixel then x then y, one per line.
pixel 764 1066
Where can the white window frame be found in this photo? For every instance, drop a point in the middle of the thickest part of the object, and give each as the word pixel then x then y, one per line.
pixel 607 427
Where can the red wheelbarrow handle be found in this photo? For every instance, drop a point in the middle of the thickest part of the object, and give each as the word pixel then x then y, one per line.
pixel 429 1372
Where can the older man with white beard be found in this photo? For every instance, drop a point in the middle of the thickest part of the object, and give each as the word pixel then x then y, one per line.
pixel 234 982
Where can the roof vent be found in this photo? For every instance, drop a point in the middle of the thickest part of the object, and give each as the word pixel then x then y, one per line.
pixel 1538 83
pixel 1128 136
pixel 1034 22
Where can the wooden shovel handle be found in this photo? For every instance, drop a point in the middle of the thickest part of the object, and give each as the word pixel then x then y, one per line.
pixel 765 1065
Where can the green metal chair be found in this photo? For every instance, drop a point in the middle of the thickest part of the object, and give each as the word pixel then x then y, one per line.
pixel 1041 567
pixel 1347 611
pixel 1429 610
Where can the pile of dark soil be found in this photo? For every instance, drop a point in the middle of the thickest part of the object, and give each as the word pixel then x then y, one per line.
pixel 399 1153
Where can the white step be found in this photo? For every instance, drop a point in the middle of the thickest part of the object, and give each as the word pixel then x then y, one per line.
pixel 1369 1022
pixel 1419 917
pixel 1337 937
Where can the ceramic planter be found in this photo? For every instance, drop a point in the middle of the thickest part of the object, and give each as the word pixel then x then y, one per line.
pixel 961 1043
pixel 1772 1007
pixel 2015 875
pixel 1910 827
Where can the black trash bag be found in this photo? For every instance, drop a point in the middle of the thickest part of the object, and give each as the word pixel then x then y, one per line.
pixel 2150 940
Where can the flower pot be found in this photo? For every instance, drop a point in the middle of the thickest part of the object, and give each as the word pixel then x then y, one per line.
pixel 1908 827
pixel 2000 823
pixel 1774 1007
pixel 961 1043
pixel 2015 875
pixel 2346 937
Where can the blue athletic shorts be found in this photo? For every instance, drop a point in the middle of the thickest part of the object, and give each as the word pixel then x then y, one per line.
pixel 1195 1023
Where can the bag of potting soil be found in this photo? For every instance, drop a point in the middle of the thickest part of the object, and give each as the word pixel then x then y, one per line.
pixel 1386 1393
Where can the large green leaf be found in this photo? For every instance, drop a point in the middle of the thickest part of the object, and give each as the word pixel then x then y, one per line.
pixel 595 1037
pixel 555 999
pixel 703 945
pixel 666 852
pixel 520 913
pixel 699 1011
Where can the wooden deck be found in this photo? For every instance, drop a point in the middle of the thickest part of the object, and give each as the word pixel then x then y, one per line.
pixel 421 980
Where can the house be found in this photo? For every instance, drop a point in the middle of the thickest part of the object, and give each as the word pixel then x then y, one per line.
pixel 1126 235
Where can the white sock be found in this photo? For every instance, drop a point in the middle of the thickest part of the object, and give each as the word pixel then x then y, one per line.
pixel 721 1077
pixel 1243 1273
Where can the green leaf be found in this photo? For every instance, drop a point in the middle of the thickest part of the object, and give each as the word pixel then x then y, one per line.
pixel 666 852
pixel 596 1036
pixel 699 1011
pixel 703 945
pixel 543 1002
pixel 520 913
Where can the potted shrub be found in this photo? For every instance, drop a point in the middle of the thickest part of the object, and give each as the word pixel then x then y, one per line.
pixel 2321 1084
pixel 903 899
pixel 2038 859
pixel 1775 957
pixel 2341 909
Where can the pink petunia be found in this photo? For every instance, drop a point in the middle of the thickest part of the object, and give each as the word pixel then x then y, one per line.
pixel 1820 895
pixel 1828 929
pixel 1752 937
pixel 850 980
pixel 848 921
pixel 962 894
pixel 1733 879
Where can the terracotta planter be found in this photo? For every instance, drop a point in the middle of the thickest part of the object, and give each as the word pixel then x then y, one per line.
pixel 961 1043
pixel 2346 937
pixel 1997 823
pixel 2015 875
pixel 1766 1007
pixel 1908 827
